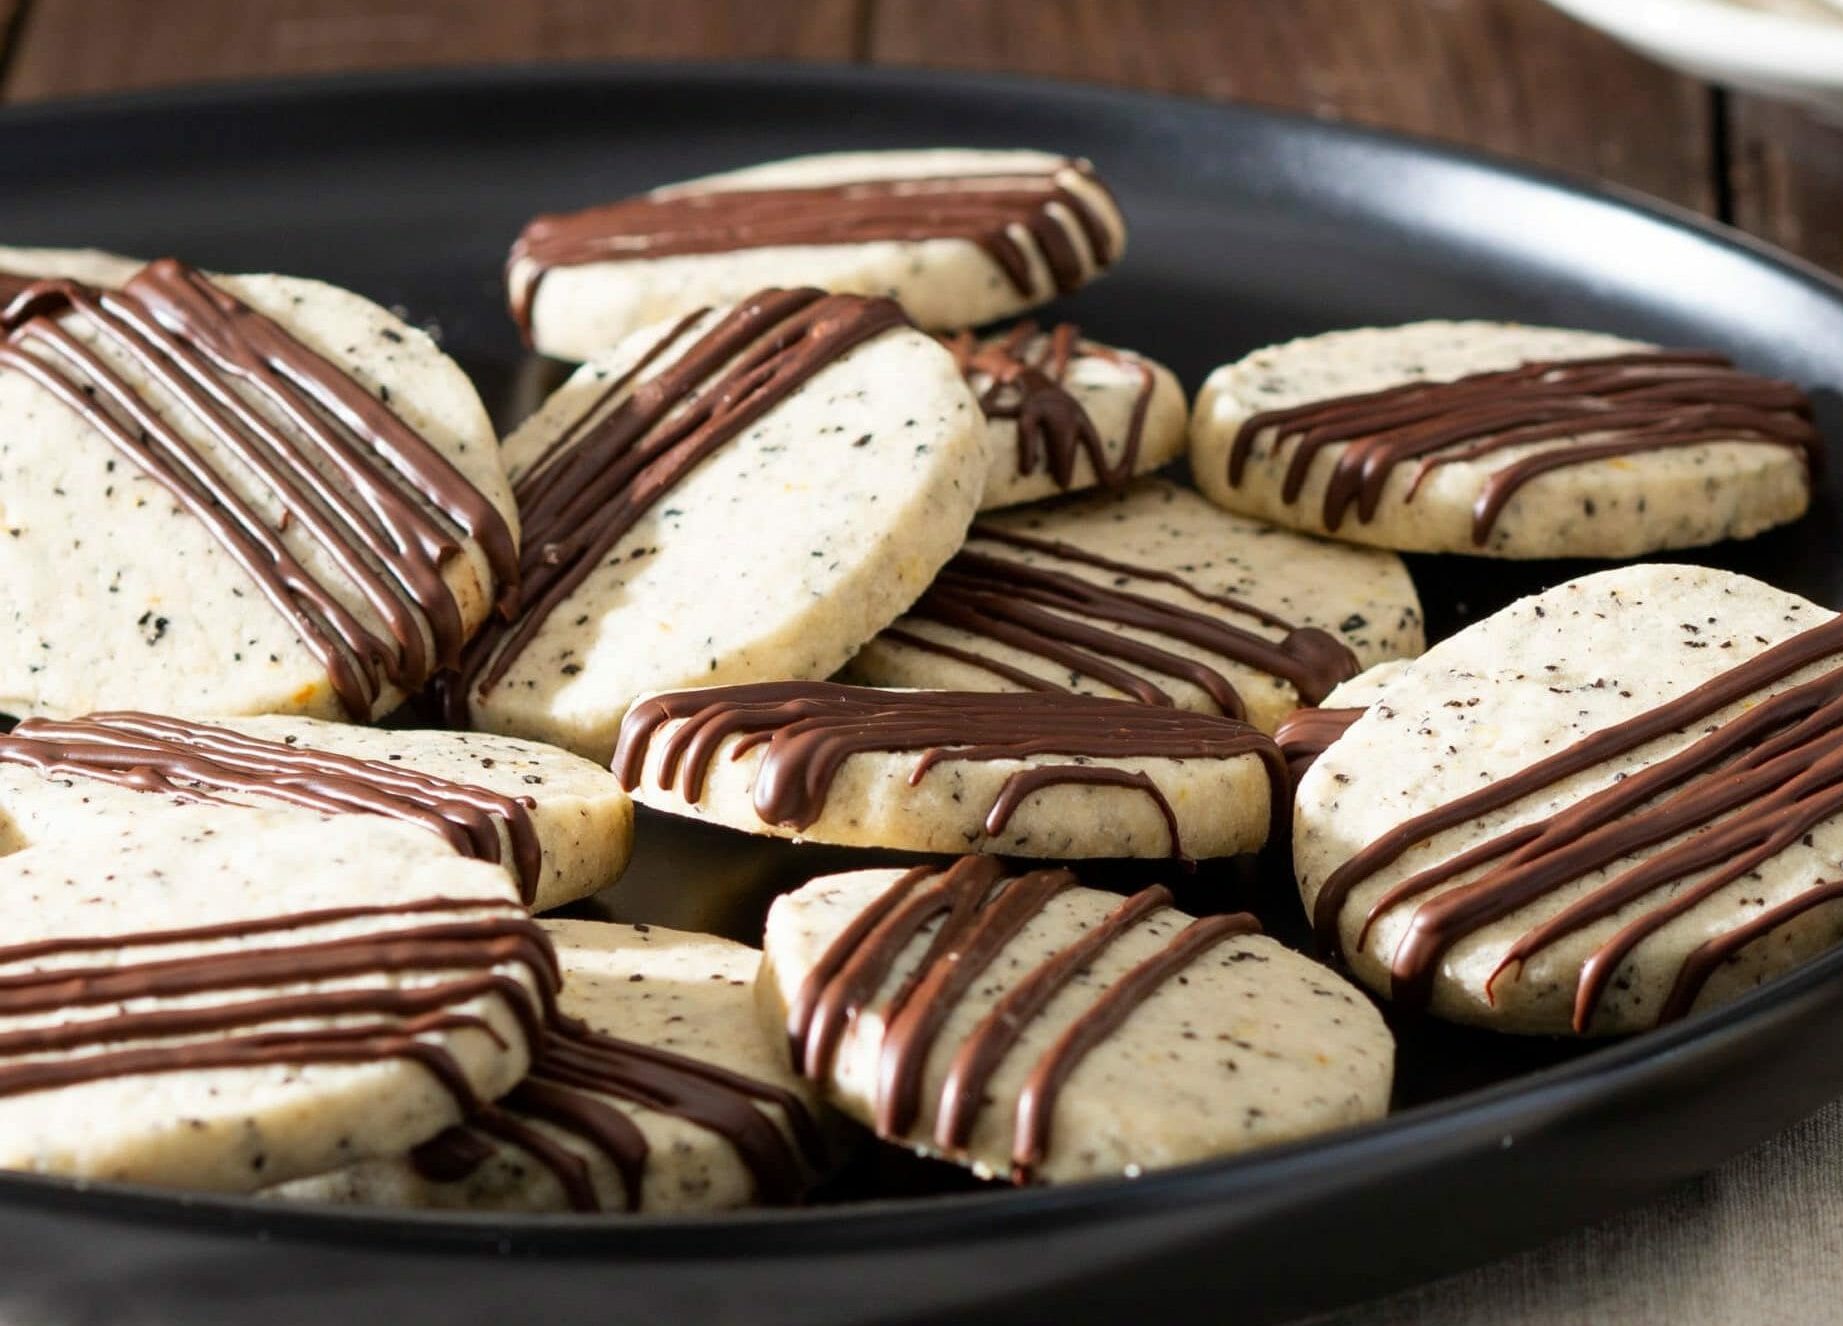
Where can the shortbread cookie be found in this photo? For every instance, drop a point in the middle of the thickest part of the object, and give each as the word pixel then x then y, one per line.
pixel 957 236
pixel 748 493
pixel 223 1001
pixel 20 267
pixel 247 494
pixel 1150 594
pixel 1029 1027
pixel 1064 413
pixel 559 824
pixel 656 1091
pixel 1048 776
pixel 1606 805
pixel 1504 441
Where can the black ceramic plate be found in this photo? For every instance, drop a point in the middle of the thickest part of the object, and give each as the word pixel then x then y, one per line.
pixel 1246 228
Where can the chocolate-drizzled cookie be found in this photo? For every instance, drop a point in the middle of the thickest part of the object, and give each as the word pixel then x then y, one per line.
pixel 1036 774
pixel 1025 1026
pixel 559 825
pixel 1505 441
pixel 1604 807
pixel 958 237
pixel 1064 413
pixel 1150 594
pixel 749 492
pixel 655 1089
pixel 220 1001
pixel 238 495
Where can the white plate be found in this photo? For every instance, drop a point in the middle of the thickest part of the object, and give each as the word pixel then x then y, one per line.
pixel 1783 48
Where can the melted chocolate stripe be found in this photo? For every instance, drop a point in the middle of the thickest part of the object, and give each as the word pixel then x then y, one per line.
pixel 1048 612
pixel 452 946
pixel 998 1032
pixel 614 464
pixel 1023 784
pixel 811 728
pixel 1633 403
pixel 1707 958
pixel 984 209
pixel 1020 376
pixel 975 931
pixel 394 1019
pixel 1305 734
pixel 1743 791
pixel 579 1071
pixel 200 761
pixel 980 915
pixel 820 1008
pixel 1036 1106
pixel 575 1114
pixel 390 523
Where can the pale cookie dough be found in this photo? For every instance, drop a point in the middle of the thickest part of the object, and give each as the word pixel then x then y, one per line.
pixel 1615 506
pixel 307 1033
pixel 1053 777
pixel 1237 1042
pixel 1054 401
pixel 945 282
pixel 116 597
pixel 91 266
pixel 778 555
pixel 54 775
pixel 690 996
pixel 1526 685
pixel 1165 559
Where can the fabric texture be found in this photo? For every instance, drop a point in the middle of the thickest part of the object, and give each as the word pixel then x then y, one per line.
pixel 1758 1241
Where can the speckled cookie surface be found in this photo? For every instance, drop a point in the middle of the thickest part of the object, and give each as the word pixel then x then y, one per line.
pixel 944 283
pixel 581 820
pixel 1193 581
pixel 1053 409
pixel 94 266
pixel 687 994
pixel 118 598
pixel 1526 685
pixel 957 791
pixel 1727 487
pixel 778 555
pixel 1244 1045
pixel 223 1001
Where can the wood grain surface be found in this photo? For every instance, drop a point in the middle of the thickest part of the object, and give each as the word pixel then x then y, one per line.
pixel 1511 76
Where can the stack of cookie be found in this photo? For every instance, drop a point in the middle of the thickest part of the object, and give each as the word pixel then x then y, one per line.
pixel 806 549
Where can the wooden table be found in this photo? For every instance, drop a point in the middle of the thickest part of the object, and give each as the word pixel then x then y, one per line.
pixel 1509 75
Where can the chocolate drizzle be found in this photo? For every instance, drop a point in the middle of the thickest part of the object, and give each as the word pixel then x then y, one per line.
pixel 1744 790
pixel 365 1023
pixel 1051 614
pixel 631 447
pixel 980 913
pixel 1594 409
pixel 1019 376
pixel 809 730
pixel 386 507
pixel 1305 734
pixel 1065 231
pixel 579 1072
pixel 200 762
